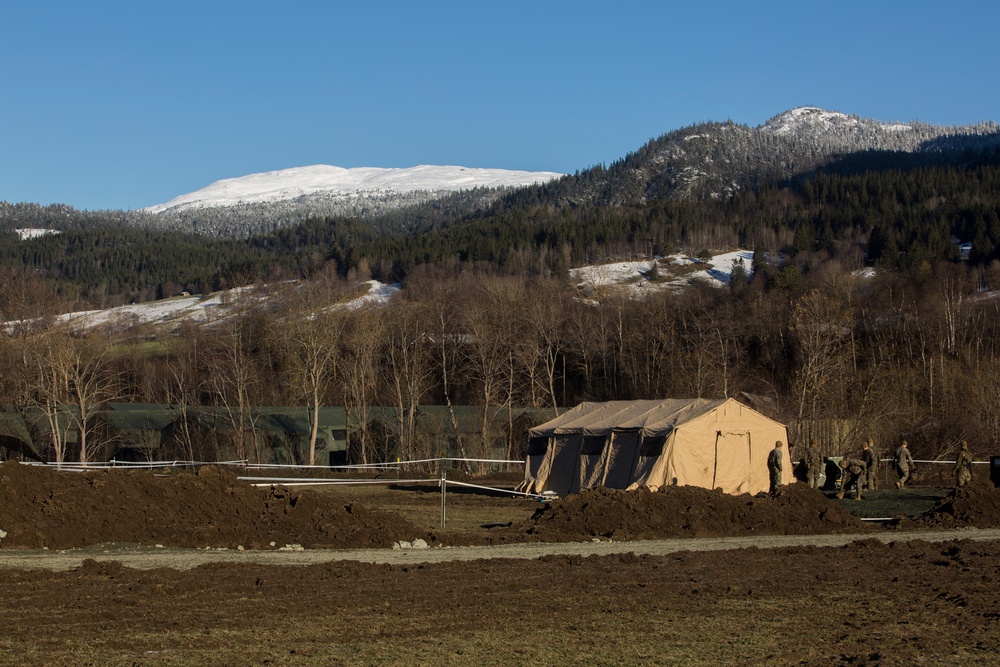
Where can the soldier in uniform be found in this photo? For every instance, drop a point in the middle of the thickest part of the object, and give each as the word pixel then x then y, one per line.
pixel 870 456
pixel 904 464
pixel 813 462
pixel 963 466
pixel 774 469
pixel 853 472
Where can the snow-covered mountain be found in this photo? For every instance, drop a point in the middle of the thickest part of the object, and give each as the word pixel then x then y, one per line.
pixel 813 120
pixel 711 160
pixel 328 182
pixel 717 160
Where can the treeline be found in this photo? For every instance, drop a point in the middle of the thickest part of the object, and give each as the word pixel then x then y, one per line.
pixel 909 354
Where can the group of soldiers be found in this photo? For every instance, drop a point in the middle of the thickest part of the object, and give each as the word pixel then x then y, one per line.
pixel 861 473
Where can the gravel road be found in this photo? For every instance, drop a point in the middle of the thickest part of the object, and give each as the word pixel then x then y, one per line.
pixel 184 559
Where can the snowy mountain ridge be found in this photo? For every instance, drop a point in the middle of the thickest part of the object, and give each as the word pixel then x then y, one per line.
pixel 326 181
pixel 812 120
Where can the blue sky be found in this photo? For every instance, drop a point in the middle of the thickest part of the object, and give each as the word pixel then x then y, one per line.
pixel 128 104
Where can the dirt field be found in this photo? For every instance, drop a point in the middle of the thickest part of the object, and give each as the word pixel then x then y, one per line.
pixel 909 601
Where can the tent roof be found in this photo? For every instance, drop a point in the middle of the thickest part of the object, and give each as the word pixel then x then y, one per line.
pixel 274 420
pixel 140 416
pixel 649 416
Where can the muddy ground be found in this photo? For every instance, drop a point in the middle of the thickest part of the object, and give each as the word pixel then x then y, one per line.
pixel 867 603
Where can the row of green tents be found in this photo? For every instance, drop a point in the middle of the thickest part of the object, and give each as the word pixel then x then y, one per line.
pixel 143 431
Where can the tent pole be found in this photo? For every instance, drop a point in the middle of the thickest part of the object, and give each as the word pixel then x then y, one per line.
pixel 715 463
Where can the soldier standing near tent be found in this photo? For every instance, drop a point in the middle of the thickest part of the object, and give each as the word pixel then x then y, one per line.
pixel 963 466
pixel 774 469
pixel 852 472
pixel 904 464
pixel 870 456
pixel 813 462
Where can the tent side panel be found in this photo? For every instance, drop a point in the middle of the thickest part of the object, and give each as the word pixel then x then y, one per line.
pixel 623 451
pixel 690 457
pixel 734 417
pixel 559 470
pixel 593 461
pixel 656 474
pixel 538 449
pixel 764 433
pixel 648 463
pixel 733 469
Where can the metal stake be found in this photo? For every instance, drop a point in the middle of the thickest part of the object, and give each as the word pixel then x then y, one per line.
pixel 444 486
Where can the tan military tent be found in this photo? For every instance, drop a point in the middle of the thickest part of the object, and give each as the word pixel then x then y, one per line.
pixel 715 444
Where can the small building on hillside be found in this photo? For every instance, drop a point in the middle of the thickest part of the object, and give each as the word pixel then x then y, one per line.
pixel 714 444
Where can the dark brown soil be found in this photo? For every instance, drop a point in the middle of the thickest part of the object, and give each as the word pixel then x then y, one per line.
pixel 865 604
pixel 684 511
pixel 975 505
pixel 43 507
pixel 912 603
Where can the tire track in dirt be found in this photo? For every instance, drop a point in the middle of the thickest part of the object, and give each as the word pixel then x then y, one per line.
pixel 145 558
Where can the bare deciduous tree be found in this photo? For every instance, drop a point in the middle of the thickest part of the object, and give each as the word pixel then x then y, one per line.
pixel 363 342
pixel 408 371
pixel 311 333
pixel 822 328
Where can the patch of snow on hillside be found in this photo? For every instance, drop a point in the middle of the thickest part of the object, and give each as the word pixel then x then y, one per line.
pixel 636 276
pixel 209 309
pixel 378 294
pixel 321 179
pixel 617 273
pixel 139 313
pixel 720 267
pixel 24 234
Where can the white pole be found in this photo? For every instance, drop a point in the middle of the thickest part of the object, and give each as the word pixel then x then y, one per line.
pixel 444 487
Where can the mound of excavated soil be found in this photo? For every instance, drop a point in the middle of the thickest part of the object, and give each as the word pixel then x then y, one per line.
pixel 976 504
pixel 42 507
pixel 686 511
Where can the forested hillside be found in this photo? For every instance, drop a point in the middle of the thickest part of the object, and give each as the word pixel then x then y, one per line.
pixel 893 218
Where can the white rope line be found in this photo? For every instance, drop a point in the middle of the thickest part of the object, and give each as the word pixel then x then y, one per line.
pixel 452 459
pixel 941 461
pixel 490 488
pixel 297 481
pixel 346 466
pixel 243 463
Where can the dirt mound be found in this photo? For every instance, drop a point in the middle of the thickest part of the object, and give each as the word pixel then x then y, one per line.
pixel 976 504
pixel 686 511
pixel 42 507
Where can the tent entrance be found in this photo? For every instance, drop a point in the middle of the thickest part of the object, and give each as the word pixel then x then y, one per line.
pixel 731 471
